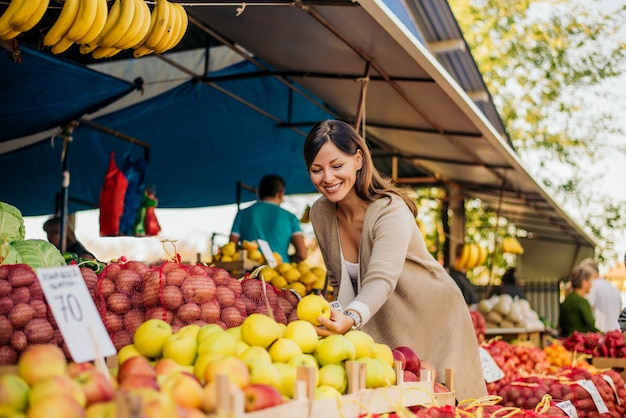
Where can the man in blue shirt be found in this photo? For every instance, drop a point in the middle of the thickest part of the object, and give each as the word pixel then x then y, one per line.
pixel 266 220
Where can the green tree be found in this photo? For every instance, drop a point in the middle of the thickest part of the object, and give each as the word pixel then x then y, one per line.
pixel 548 66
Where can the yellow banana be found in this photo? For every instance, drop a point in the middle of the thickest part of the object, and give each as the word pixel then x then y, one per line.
pixel 84 20
pixel 127 11
pixel 139 27
pixel 112 16
pixel 23 13
pixel 102 11
pixel 153 19
pixel 483 256
pixel 9 35
pixel 179 29
pixel 185 24
pixel 5 19
pixel 61 46
pixel 105 52
pixel 35 17
pixel 170 30
pixel 465 253
pixel 161 13
pixel 141 51
pixel 63 23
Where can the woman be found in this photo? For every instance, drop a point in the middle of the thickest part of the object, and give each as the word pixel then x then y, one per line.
pixel 378 264
pixel 575 313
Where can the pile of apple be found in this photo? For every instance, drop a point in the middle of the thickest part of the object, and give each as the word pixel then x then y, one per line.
pixel 300 277
pixel 129 293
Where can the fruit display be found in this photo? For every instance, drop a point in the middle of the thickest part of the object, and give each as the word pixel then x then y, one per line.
pixel 473 255
pixel 512 246
pixel 21 16
pixel 504 311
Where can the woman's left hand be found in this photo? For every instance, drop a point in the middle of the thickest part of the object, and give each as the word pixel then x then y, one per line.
pixel 338 323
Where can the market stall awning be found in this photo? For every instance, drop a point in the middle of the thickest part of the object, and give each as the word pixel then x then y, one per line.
pixel 358 62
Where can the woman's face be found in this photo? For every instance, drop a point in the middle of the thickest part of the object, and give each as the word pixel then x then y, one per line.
pixel 333 173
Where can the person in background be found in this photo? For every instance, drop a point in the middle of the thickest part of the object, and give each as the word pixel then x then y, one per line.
pixel 509 284
pixel 459 274
pixel 266 220
pixel 377 261
pixel 575 313
pixel 53 228
pixel 605 299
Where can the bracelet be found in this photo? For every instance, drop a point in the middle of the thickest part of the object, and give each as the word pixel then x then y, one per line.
pixel 355 317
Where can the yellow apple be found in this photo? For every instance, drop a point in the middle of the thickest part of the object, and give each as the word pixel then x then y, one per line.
pixel 218 342
pixel 191 329
pixel 334 349
pixel 40 361
pixel 255 352
pixel 106 409
pixel 56 386
pixel 374 374
pixel 150 337
pixel 306 360
pixel 127 352
pixel 206 330
pixel 389 374
pixel 302 332
pixel 203 360
pixel 232 367
pixel 311 307
pixel 14 392
pixel 326 392
pixel 259 329
pixel 235 332
pixel 181 348
pixel 184 388
pixel 363 342
pixel 62 406
pixel 283 329
pixel 334 375
pixel 287 374
pixel 263 371
pixel 283 349
pixel 384 352
pixel 240 347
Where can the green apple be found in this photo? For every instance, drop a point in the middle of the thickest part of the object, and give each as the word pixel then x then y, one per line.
pixel 263 371
pixel 306 360
pixel 235 332
pixel 283 349
pixel 255 352
pixel 259 329
pixel 302 332
pixel 374 374
pixel 207 329
pixel 182 348
pixel 363 342
pixel 389 374
pixel 203 360
pixel 218 342
pixel 334 375
pixel 311 307
pixel 326 392
pixel 287 375
pixel 150 337
pixel 14 392
pixel 334 349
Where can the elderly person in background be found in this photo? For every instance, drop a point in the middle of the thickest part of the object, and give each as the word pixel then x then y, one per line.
pixel 604 298
pixel 575 313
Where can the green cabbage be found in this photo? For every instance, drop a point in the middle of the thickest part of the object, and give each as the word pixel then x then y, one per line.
pixel 11 223
pixel 38 253
pixel 9 255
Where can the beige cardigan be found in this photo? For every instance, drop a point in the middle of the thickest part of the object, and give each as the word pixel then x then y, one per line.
pixel 412 299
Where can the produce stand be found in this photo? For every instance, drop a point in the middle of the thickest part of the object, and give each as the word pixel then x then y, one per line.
pixel 619 364
pixel 535 335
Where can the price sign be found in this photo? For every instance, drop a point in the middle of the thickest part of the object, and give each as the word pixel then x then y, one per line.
pixel 612 384
pixel 590 387
pixel 75 313
pixel 335 304
pixel 491 371
pixel 267 253
pixel 569 408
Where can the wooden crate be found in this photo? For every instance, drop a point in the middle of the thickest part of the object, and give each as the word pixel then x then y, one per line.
pixel 237 268
pixel 619 364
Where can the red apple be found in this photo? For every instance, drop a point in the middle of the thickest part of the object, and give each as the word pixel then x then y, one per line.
pixel 40 361
pixel 62 406
pixel 74 369
pixel 97 386
pixel 184 388
pixel 166 366
pixel 258 396
pixel 399 356
pixel 56 386
pixel 410 376
pixel 139 381
pixel 135 365
pixel 413 362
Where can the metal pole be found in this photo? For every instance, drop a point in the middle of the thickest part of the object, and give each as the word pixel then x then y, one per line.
pixel 65 184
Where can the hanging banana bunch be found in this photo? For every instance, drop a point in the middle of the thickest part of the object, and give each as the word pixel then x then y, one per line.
pixel 473 255
pixel 512 246
pixel 21 16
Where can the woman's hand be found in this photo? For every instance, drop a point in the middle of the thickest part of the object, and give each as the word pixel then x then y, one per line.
pixel 338 323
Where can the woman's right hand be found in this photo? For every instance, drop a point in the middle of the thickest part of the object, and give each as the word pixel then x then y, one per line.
pixel 338 323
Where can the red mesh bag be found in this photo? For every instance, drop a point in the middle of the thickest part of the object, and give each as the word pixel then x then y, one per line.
pixel 280 304
pixel 112 199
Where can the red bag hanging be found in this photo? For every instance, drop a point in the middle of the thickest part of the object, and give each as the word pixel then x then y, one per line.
pixel 152 224
pixel 112 199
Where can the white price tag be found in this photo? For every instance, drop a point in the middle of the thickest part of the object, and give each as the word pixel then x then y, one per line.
pixel 612 384
pixel 267 253
pixel 335 304
pixel 75 313
pixel 590 387
pixel 491 371
pixel 569 408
